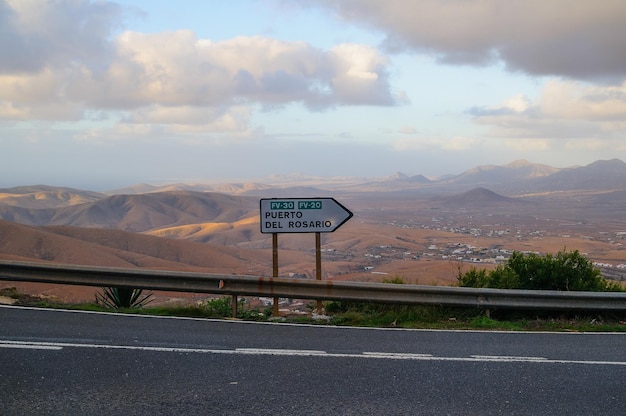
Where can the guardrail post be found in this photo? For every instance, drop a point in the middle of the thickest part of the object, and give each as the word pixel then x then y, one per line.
pixel 318 265
pixel 275 268
pixel 234 305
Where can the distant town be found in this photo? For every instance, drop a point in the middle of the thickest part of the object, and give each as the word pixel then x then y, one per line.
pixel 494 254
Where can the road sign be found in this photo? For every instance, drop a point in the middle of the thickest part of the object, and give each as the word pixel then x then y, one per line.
pixel 302 215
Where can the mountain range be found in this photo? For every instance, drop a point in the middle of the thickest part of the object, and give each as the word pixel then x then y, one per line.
pixel 216 227
pixel 516 178
pixel 202 214
pixel 521 176
pixel 162 210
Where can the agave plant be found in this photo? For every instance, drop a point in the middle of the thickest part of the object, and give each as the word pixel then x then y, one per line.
pixel 123 298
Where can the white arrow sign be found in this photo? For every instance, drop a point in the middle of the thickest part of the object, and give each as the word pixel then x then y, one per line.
pixel 302 215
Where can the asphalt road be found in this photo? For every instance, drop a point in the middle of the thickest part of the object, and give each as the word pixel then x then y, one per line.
pixel 77 363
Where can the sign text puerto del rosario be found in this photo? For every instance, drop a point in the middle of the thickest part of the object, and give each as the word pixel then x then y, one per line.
pixel 301 215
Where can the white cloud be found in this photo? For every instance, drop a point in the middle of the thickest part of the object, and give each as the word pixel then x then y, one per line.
pixel 410 144
pixel 10 111
pixel 40 96
pixel 455 144
pixel 518 103
pixel 528 145
pixel 209 119
pixel 38 34
pixel 61 61
pixel 458 143
pixel 581 39
pixel 564 110
pixel 574 100
pixel 360 76
pixel 407 130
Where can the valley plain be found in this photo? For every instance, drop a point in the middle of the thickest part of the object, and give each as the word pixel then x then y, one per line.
pixel 414 228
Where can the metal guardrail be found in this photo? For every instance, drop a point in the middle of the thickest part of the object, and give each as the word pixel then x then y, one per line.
pixel 237 285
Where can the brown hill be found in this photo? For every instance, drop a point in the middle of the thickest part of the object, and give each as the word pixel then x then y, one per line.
pixel 237 188
pixel 516 171
pixel 114 248
pixel 478 197
pixel 401 177
pixel 242 233
pixel 111 248
pixel 42 196
pixel 141 212
pixel 157 210
pixel 601 174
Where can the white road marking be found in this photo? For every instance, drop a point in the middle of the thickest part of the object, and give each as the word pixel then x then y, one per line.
pixel 276 351
pixel 507 358
pixel 9 344
pixel 310 353
pixel 396 355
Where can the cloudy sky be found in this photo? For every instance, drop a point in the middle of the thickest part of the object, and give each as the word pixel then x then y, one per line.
pixel 104 94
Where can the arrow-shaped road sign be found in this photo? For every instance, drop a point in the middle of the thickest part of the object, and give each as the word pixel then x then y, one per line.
pixel 302 215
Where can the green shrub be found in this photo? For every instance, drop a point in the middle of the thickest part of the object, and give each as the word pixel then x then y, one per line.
pixel 474 278
pixel 565 271
pixel 397 280
pixel 222 307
